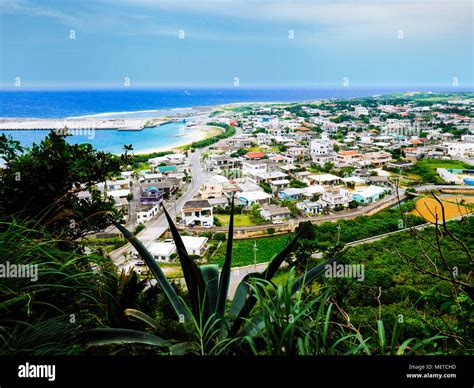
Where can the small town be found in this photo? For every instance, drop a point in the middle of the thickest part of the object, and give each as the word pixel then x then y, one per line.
pixel 264 189
pixel 288 163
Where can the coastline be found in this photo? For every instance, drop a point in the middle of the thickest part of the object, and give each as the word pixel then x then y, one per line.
pixel 200 132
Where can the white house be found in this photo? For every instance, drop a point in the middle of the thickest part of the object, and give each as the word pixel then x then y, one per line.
pixel 194 245
pixel 321 147
pixel 146 212
pixel 162 250
pixel 336 196
pixel 322 151
pixel 252 167
pixel 274 213
pixel 114 185
pixel 361 110
pixel 151 177
pixel 323 179
pixel 461 150
pixel 357 181
pixel 310 207
pixel 253 197
pixel 197 213
pixel 311 191
pixel 368 194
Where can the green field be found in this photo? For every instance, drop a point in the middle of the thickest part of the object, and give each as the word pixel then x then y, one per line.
pixel 243 250
pixel 426 168
pixel 239 219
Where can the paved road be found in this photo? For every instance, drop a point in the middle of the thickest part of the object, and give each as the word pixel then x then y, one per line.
pixel 158 226
pixel 133 205
pixel 389 200
pixel 441 187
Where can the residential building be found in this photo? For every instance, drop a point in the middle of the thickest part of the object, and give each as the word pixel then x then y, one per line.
pixel 310 207
pixel 195 245
pixel 269 176
pixel 460 150
pixel 278 185
pixel 322 179
pixel 291 194
pixel 250 198
pixel 162 250
pixel 348 158
pixel 222 162
pixel 378 158
pixel 213 187
pixel 361 110
pixel 151 195
pixel 368 194
pixel 274 213
pixel 253 167
pixel 336 197
pixel 197 213
pixel 146 212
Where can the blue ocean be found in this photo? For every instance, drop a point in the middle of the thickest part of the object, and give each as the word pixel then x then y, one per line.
pixel 147 102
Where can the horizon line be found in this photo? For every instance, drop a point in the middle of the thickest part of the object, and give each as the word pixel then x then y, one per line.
pixel 137 87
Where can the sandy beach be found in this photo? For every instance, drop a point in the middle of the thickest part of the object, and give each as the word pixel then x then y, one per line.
pixel 196 133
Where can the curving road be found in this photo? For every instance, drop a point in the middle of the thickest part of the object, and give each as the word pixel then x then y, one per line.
pixel 155 228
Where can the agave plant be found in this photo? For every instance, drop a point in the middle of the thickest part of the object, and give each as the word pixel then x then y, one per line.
pixel 217 322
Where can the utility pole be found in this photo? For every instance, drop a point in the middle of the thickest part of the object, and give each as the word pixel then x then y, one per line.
pixel 255 255
pixel 338 233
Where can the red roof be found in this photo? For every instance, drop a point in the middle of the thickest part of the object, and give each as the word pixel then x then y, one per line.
pixel 254 155
pixel 348 153
pixel 415 141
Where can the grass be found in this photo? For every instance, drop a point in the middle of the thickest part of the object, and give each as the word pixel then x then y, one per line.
pixel 106 244
pixel 239 219
pixel 281 278
pixel 426 168
pixel 435 163
pixel 243 250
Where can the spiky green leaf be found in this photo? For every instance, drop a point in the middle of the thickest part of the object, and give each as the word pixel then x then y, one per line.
pixel 150 261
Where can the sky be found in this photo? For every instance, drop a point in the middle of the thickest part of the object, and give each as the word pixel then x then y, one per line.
pixel 248 43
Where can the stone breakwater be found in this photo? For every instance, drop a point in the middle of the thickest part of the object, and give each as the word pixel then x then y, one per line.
pixel 80 123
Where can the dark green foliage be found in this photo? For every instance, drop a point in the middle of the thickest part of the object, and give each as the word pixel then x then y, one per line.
pixel 138 228
pixel 214 328
pixel 73 292
pixel 426 305
pixel 266 187
pixel 362 227
pixel 297 183
pixel 40 184
pixel 219 236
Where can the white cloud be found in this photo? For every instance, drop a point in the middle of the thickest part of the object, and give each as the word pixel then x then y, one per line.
pixel 23 7
pixel 421 17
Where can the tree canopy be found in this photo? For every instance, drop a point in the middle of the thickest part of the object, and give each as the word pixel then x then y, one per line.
pixel 42 184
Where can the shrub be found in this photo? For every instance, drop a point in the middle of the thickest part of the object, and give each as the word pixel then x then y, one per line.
pixel 220 236
pixel 206 234
pixel 217 222
pixel 138 228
